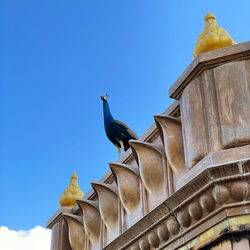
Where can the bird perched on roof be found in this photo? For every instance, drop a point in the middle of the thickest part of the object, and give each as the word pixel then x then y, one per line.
pixel 117 132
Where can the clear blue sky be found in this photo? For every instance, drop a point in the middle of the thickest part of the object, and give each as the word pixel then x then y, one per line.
pixel 57 58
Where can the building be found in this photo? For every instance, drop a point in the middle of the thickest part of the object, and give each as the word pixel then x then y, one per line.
pixel 185 184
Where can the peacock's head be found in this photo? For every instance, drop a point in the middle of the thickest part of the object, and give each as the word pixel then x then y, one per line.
pixel 104 97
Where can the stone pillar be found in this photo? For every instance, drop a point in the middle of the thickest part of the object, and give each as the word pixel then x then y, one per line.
pixel 59 227
pixel 214 95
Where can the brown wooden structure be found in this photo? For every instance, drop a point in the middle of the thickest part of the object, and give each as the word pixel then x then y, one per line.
pixel 185 184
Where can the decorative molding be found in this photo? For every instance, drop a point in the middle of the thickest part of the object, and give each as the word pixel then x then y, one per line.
pixel 148 135
pixel 75 231
pixel 128 185
pixel 110 209
pixel 151 162
pixel 170 132
pixel 210 198
pixel 91 219
pixel 108 203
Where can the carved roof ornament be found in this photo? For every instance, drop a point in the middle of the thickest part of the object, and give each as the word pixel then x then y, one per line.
pixel 71 193
pixel 212 37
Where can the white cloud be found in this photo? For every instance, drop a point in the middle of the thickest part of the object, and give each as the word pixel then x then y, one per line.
pixel 37 238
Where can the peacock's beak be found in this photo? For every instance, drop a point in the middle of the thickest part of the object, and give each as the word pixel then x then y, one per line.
pixel 104 97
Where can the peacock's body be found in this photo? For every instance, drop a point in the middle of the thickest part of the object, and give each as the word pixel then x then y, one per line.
pixel 117 132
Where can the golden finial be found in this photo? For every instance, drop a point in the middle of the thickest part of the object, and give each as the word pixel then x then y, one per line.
pixel 71 193
pixel 212 37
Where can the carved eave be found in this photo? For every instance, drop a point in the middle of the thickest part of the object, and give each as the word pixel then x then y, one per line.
pixel 208 60
pixel 108 203
pixel 211 197
pixel 171 135
pixel 148 135
pixel 154 173
pixel 128 185
pixel 76 232
pixel 151 161
pixel 91 219
pixel 110 209
pixel 116 165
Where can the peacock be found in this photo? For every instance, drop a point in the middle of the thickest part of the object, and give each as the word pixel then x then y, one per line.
pixel 117 132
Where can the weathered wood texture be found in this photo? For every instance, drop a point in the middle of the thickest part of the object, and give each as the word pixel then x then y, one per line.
pixel 215 111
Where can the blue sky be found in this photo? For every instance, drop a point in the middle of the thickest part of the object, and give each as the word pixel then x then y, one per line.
pixel 57 58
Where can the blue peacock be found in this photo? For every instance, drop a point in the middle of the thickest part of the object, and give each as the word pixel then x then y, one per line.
pixel 117 132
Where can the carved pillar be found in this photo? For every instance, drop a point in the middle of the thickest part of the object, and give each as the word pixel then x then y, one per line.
pixel 59 227
pixel 215 102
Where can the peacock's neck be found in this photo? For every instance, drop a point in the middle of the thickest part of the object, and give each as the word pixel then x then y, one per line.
pixel 106 112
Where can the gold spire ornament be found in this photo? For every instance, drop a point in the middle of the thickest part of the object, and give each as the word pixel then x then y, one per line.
pixel 71 193
pixel 212 37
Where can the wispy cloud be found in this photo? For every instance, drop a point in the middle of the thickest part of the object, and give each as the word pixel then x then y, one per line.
pixel 37 238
